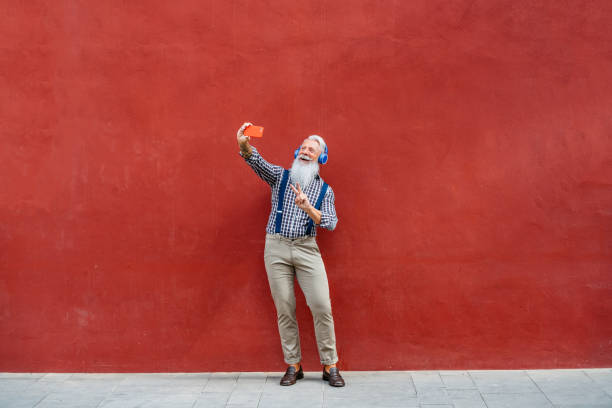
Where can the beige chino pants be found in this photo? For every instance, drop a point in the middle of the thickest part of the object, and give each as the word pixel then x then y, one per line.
pixel 286 259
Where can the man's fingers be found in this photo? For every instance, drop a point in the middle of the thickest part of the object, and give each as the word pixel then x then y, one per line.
pixel 244 126
pixel 300 197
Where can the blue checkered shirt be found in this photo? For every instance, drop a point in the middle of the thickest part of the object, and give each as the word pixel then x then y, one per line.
pixel 295 220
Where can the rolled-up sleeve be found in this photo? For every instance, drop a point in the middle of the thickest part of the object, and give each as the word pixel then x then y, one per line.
pixel 329 219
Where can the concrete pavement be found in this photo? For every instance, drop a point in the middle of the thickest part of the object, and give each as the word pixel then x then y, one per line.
pixel 583 388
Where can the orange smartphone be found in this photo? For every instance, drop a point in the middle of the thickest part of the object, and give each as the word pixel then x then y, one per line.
pixel 254 131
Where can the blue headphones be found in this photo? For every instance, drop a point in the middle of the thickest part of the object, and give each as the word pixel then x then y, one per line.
pixel 322 156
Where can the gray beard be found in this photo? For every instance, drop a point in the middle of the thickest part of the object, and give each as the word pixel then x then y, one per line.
pixel 303 173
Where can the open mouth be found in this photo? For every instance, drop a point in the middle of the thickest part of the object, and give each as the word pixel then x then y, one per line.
pixel 305 158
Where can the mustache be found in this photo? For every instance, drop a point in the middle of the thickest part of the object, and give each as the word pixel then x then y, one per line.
pixel 303 156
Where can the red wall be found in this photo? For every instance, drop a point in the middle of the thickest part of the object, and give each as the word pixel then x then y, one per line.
pixel 470 152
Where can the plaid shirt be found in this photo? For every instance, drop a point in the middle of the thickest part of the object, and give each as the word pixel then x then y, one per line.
pixel 295 220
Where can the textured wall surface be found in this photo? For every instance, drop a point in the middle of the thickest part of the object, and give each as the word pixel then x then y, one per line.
pixel 470 153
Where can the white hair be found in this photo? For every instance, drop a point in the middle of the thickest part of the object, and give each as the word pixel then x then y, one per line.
pixel 319 140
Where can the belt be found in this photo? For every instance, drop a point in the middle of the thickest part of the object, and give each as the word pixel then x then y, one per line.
pixel 291 240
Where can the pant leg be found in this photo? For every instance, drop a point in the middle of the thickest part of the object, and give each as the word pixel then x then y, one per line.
pixel 312 278
pixel 281 275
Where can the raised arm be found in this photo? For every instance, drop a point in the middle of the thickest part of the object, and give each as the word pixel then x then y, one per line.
pixel 269 173
pixel 243 141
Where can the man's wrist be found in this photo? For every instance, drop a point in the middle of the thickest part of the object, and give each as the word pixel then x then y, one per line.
pixel 311 210
pixel 246 151
pixel 313 213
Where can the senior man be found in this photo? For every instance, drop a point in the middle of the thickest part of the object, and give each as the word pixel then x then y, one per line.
pixel 291 250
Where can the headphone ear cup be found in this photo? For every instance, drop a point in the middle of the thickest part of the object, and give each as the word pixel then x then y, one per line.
pixel 323 156
pixel 297 151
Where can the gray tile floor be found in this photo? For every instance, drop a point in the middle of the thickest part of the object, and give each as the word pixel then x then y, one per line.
pixel 423 389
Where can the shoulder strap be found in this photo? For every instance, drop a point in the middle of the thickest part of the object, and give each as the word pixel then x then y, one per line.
pixel 317 206
pixel 281 200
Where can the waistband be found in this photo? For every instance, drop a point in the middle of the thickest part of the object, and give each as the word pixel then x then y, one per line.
pixel 279 237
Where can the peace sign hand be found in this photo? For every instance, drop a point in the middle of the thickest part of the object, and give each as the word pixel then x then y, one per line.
pixel 300 198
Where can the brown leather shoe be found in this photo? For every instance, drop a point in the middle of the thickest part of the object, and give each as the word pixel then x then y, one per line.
pixel 334 377
pixel 291 376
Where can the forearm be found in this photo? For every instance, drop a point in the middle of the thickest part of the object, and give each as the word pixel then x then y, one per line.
pixel 314 214
pixel 246 150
